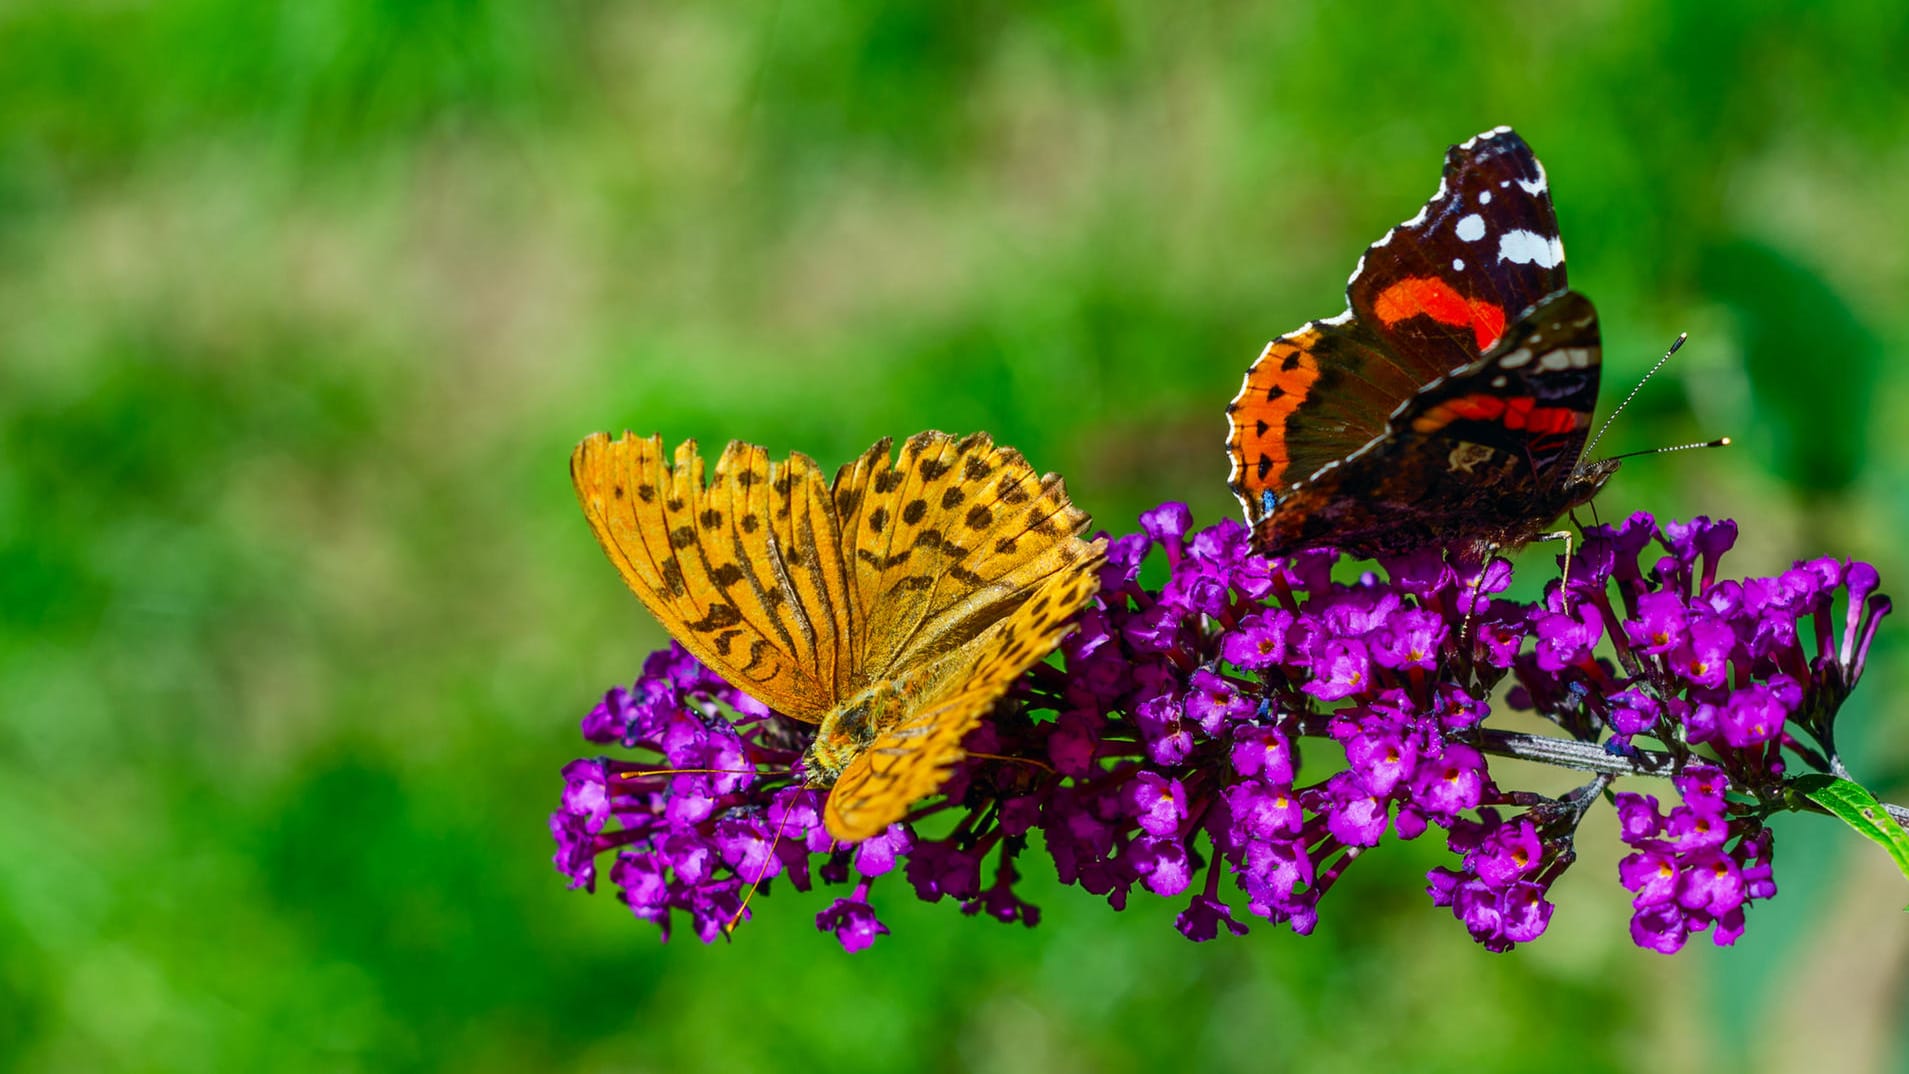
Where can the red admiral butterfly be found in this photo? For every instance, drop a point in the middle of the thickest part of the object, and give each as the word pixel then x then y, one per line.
pixel 1417 417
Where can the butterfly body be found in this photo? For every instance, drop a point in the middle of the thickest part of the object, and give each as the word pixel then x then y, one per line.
pixel 847 732
pixel 1450 404
pixel 892 607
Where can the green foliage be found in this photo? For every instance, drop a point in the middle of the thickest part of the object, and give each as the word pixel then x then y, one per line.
pixel 303 305
pixel 1851 803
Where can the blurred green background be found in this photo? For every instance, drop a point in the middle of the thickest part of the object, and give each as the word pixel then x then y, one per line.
pixel 302 306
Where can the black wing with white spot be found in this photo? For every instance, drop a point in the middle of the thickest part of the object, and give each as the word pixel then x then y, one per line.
pixel 1440 288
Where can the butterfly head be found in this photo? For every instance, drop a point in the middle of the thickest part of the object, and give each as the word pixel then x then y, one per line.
pixel 1579 487
pixel 1586 480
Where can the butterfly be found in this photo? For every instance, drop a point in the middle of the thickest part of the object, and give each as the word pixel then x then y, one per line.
pixel 891 607
pixel 1449 404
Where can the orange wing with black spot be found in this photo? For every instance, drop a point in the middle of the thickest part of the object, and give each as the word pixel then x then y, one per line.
pixel 949 698
pixel 948 572
pixel 744 571
pixel 1313 397
pixel 967 568
pixel 946 541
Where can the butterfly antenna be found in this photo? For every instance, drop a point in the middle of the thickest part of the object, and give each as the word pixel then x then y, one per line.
pixel 1633 393
pixel 686 772
pixel 761 874
pixel 1721 441
pixel 1042 765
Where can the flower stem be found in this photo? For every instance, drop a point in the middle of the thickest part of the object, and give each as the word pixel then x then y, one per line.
pixel 1590 757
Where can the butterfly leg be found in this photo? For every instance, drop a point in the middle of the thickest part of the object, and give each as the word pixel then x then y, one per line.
pixel 1564 583
pixel 1471 605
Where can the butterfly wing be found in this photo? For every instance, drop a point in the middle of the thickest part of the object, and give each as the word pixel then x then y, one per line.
pixel 1531 398
pixel 947 541
pixel 745 572
pixel 1313 397
pixel 1427 299
pixel 967 569
pixel 1486 453
pixel 948 573
pixel 912 759
pixel 1439 289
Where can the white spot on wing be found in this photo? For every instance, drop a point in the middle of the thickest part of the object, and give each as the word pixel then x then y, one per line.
pixel 1566 358
pixel 1516 358
pixel 1496 382
pixel 1534 187
pixel 1484 198
pixel 1458 264
pixel 1530 248
pixel 1484 136
pixel 1471 227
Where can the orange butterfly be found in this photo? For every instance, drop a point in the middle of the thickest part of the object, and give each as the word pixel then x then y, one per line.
pixel 893 607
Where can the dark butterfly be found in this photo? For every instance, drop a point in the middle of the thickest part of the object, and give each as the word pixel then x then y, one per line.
pixel 1449 405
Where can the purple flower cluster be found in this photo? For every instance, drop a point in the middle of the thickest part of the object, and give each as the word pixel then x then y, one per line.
pixel 1163 753
pixel 723 808
pixel 1698 866
pixel 1741 667
pixel 1499 892
pixel 686 837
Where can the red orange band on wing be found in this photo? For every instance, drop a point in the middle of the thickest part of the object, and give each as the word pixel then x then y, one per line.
pixel 1519 412
pixel 1434 298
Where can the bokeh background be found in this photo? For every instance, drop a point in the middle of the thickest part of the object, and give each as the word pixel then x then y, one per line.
pixel 303 305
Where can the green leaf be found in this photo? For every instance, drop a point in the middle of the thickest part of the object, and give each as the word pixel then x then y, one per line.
pixel 1860 810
